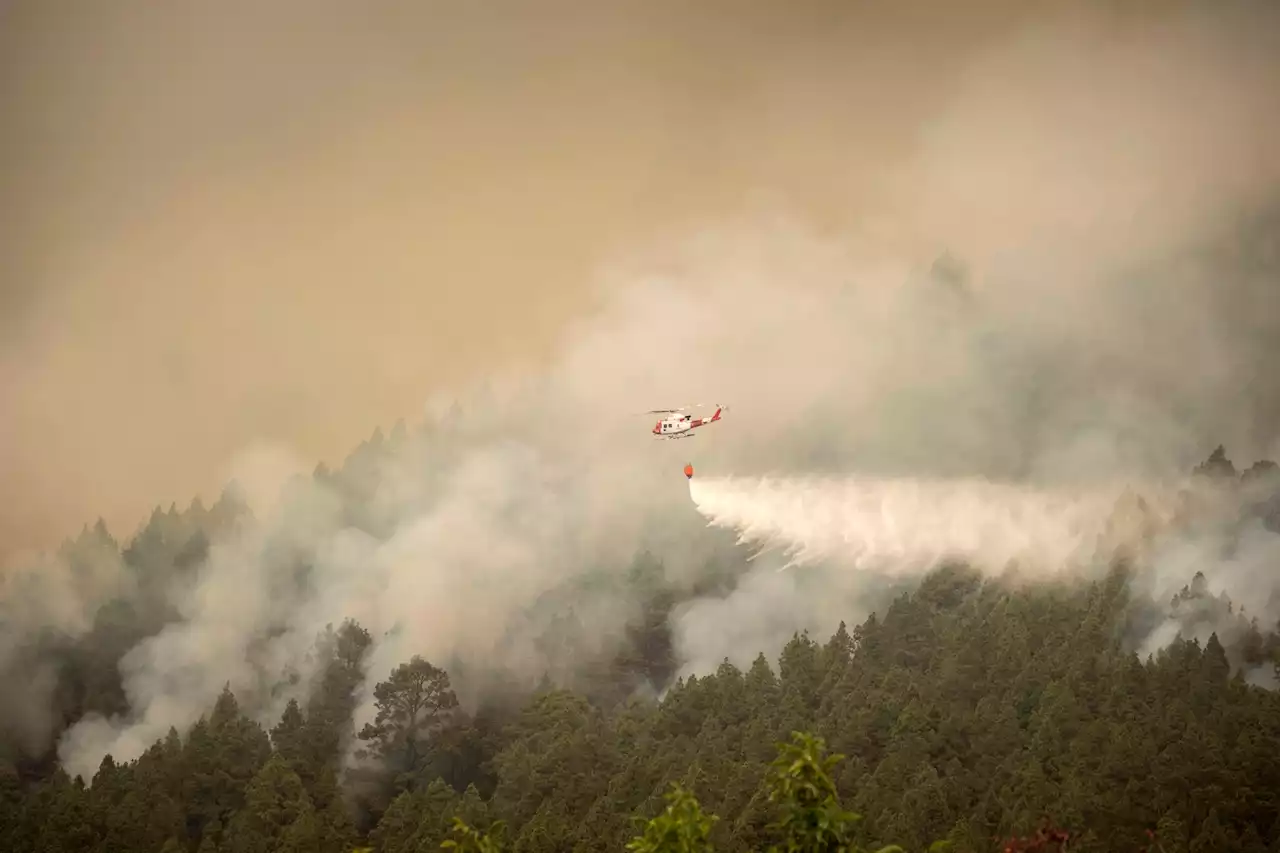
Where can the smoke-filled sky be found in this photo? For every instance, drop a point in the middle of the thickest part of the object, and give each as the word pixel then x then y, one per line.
pixel 236 221
pixel 240 237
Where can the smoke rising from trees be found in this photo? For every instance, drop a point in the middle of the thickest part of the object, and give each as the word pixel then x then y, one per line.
pixel 1108 314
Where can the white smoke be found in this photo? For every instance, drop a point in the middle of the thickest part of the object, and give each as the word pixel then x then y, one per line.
pixel 52 597
pixel 166 677
pixel 525 489
pixel 1046 364
pixel 461 550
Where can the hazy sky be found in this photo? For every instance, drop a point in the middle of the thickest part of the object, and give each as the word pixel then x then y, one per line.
pixel 297 219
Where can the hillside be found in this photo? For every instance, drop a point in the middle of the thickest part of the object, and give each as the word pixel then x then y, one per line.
pixel 968 710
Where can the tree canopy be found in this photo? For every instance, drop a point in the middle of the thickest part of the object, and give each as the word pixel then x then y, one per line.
pixel 969 713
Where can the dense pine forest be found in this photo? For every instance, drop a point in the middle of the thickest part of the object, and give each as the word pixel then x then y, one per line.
pixel 967 711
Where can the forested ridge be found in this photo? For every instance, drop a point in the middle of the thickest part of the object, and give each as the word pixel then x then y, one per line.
pixel 968 710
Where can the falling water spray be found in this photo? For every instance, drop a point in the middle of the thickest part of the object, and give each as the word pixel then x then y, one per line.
pixel 908 525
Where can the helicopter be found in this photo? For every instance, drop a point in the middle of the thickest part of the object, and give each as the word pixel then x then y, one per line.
pixel 679 424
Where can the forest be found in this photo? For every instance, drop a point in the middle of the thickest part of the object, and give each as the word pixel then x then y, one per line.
pixel 969 713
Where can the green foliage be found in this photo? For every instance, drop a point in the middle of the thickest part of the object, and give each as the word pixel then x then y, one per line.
pixel 682 827
pixel 471 840
pixel 813 819
pixel 414 704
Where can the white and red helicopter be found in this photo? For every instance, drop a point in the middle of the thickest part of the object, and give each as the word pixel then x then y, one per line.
pixel 679 424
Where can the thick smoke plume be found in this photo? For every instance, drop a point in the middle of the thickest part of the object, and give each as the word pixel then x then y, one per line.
pixel 55 595
pixel 1107 315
